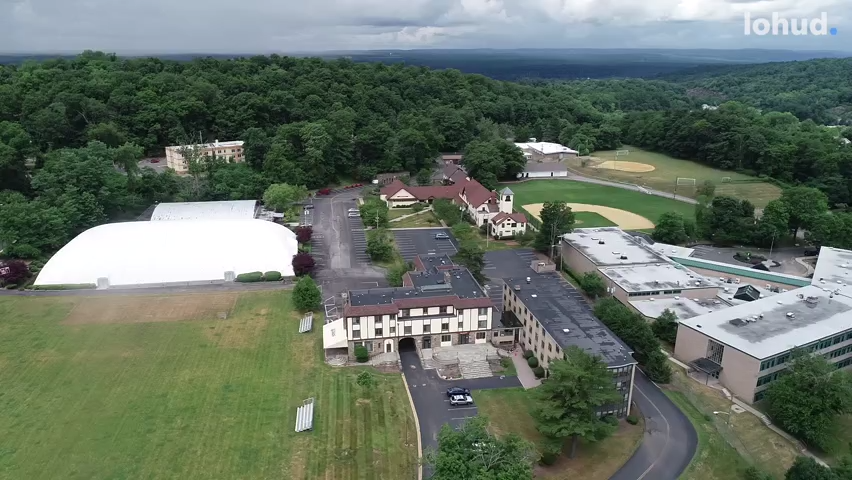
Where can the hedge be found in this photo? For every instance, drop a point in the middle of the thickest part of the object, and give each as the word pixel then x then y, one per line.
pixel 272 276
pixel 538 371
pixel 250 277
pixel 532 362
pixel 68 286
pixel 361 354
pixel 632 419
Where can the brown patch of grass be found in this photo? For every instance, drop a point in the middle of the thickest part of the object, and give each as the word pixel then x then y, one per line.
pixel 298 459
pixel 147 309
pixel 239 333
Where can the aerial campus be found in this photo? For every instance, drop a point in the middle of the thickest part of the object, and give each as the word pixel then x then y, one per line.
pixel 303 302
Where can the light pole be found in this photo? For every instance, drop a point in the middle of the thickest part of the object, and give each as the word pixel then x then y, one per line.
pixel 728 422
pixel 772 244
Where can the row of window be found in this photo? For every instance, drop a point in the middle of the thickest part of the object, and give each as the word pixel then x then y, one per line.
pixel 406 312
pixel 770 378
pixel 427 328
pixel 839 352
pixel 648 294
pixel 821 345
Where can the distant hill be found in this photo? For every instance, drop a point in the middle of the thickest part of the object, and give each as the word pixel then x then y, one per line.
pixel 518 64
pixel 815 89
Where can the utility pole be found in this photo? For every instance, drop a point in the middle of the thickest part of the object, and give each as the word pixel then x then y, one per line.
pixel 487 232
pixel 772 244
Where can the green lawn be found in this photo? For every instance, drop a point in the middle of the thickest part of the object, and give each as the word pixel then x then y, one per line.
pixel 189 399
pixel 648 206
pixel 590 220
pixel 398 212
pixel 508 410
pixel 667 170
pixel 715 459
pixel 425 219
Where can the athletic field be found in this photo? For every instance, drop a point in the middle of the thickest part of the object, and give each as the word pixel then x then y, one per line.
pixel 661 172
pixel 160 387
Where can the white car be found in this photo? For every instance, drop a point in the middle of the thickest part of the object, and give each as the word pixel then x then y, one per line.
pixel 459 400
pixel 354 214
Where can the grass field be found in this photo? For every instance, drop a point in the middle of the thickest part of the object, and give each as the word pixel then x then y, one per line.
pixel 648 206
pixel 591 220
pixel 755 443
pixel 424 219
pixel 596 461
pixel 186 398
pixel 667 170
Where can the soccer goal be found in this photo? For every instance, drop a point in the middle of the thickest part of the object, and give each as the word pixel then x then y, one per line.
pixel 726 179
pixel 621 153
pixel 685 182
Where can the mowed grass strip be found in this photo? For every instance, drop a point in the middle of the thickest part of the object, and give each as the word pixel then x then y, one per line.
pixel 508 411
pixel 648 206
pixel 189 399
pixel 667 170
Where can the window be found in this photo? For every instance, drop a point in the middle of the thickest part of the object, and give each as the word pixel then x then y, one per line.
pixel 405 312
pixel 550 347
pixel 483 311
pixel 427 328
pixel 407 329
pixel 483 324
pixel 356 320
pixel 393 330
pixel 356 333
pixel 443 310
pixel 557 350
pixel 461 325
pixel 480 335
pixel 445 326
pixel 378 332
pixel 446 338
pixel 393 316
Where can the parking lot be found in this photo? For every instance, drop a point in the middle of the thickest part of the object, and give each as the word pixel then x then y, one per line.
pixel 359 238
pixel 411 243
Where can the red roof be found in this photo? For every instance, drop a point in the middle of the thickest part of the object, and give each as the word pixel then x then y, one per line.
pixel 502 217
pixel 421 193
pixel 477 194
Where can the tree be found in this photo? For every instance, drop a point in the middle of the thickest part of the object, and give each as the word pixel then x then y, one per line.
pixel 366 380
pixel 28 228
pixel 281 196
pixel 396 271
pixel 806 468
pixel 304 234
pixel 706 190
pixel 593 284
pixel 13 272
pixel 728 220
pixel 637 334
pixel 665 327
pixel 447 211
pixel 303 264
pixel 557 219
pixel 374 212
pixel 379 246
pixel 472 452
pixel 424 177
pixel 670 228
pixel 472 257
pixel 568 403
pixel 773 224
pixel 808 398
pixel 306 295
pixel 805 205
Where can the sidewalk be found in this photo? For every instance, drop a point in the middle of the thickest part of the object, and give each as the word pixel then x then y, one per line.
pixel 525 373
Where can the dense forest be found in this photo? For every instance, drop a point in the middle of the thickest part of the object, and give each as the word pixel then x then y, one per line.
pixel 820 90
pixel 72 131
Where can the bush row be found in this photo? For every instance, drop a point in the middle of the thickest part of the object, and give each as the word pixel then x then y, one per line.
pixel 271 276
pixel 69 286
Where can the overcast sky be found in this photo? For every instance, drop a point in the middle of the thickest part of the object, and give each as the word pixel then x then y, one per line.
pixel 264 26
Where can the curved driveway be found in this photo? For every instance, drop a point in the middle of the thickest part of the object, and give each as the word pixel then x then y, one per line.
pixel 670 440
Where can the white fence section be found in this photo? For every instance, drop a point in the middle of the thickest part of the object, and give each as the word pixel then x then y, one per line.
pixel 307 323
pixel 305 416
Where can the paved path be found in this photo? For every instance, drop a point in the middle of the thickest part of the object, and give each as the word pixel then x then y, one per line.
pixel 525 373
pixel 669 443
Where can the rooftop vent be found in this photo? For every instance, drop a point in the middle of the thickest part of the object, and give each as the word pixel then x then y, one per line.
pixel 566 330
pixel 601 242
pixel 624 257
pixel 737 322
pixel 616 253
pixel 791 315
pixel 534 295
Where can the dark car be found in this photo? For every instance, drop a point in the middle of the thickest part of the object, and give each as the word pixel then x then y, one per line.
pixel 309 206
pixel 457 391
pixel 441 236
pixel 812 252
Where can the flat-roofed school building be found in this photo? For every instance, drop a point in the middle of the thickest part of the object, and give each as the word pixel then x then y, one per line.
pixel 749 346
pixel 554 317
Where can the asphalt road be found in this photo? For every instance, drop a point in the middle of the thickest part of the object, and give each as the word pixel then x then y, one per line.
pixel 432 407
pixel 669 443
pixel 411 243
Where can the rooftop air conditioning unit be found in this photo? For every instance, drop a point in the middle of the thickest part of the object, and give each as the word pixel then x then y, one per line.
pixel 791 315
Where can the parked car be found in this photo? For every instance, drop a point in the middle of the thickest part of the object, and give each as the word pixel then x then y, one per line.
pixel 323 191
pixel 461 400
pixel 155 160
pixel 309 206
pixel 457 391
pixel 354 214
pixel 442 236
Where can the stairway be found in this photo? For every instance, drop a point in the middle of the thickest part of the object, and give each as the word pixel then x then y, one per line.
pixel 475 369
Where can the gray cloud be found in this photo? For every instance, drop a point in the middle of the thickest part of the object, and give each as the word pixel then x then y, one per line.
pixel 227 26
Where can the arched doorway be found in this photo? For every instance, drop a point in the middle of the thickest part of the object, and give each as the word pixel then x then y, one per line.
pixel 407 345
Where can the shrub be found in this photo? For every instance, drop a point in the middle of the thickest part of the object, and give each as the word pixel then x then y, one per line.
pixel 532 362
pixel 304 234
pixel 11 286
pixel 250 277
pixel 13 271
pixel 303 264
pixel 529 354
pixel 538 371
pixel 418 207
pixel 610 419
pixel 550 452
pixel 361 354
pixel 272 276
pixel 632 419
pixel 306 295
